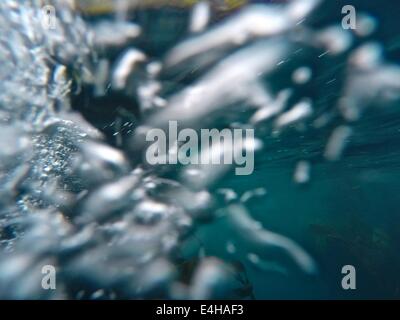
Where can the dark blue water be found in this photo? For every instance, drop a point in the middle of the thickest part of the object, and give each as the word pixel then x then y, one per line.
pixel 346 213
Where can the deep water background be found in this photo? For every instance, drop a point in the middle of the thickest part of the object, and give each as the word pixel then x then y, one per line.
pixel 346 215
pixel 348 212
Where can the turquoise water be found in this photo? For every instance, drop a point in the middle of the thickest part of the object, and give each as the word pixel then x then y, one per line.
pixel 327 183
pixel 346 215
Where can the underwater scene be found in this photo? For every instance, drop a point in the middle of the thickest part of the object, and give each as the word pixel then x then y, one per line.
pixel 199 149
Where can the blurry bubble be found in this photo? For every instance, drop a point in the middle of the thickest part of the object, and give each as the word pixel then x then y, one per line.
pixel 302 75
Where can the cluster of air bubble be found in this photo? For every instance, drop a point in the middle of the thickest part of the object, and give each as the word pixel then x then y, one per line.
pixel 109 222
